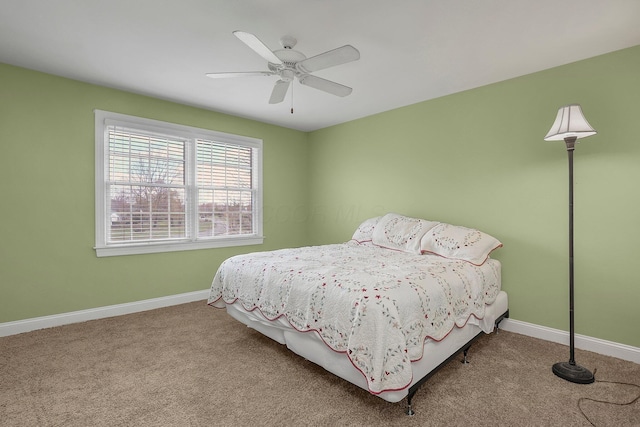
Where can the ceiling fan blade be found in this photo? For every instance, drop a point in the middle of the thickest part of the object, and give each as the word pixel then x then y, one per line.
pixel 325 85
pixel 279 91
pixel 240 74
pixel 260 48
pixel 328 59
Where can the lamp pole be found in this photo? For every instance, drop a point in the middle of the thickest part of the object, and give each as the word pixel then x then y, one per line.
pixel 571 371
pixel 570 142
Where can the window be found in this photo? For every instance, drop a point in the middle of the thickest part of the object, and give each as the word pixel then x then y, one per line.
pixel 165 187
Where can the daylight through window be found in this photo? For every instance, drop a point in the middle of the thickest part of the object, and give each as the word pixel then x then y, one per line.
pixel 164 187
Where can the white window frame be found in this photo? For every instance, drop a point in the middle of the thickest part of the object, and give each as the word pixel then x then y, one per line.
pixel 103 119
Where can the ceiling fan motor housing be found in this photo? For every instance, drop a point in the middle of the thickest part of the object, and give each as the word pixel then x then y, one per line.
pixel 289 57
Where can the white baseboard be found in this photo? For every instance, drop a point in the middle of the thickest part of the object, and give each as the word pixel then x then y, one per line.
pixel 596 345
pixel 27 325
pixel 608 348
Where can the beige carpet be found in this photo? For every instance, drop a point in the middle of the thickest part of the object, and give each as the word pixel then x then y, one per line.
pixel 192 365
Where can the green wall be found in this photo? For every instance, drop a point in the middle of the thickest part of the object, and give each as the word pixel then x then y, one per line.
pixel 47 261
pixel 475 158
pixel 478 159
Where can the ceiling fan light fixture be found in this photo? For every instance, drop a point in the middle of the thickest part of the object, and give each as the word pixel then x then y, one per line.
pixel 286 75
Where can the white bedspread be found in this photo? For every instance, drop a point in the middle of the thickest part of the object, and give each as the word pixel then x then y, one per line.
pixel 376 305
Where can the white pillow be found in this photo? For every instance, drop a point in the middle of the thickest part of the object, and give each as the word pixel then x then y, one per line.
pixel 455 242
pixel 364 232
pixel 402 233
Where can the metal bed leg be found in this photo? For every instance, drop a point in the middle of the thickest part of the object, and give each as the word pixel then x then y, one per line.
pixel 409 411
pixel 500 319
pixel 465 349
pixel 465 361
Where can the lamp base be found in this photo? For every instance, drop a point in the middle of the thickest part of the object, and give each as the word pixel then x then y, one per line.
pixel 573 373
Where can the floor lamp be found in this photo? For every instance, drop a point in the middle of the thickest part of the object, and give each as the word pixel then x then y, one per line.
pixel 570 125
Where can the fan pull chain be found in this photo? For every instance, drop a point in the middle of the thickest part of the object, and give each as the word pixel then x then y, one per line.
pixel 292 85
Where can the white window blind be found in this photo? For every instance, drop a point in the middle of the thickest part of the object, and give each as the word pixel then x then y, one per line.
pixel 225 191
pixel 163 187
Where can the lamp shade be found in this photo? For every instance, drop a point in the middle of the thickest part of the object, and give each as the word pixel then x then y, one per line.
pixel 569 122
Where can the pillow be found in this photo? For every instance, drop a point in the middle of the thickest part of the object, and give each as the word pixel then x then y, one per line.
pixel 402 233
pixel 455 242
pixel 364 231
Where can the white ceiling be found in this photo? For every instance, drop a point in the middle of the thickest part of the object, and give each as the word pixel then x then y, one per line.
pixel 411 50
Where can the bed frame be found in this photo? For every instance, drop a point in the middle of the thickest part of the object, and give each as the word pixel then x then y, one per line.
pixel 464 349
pixel 311 347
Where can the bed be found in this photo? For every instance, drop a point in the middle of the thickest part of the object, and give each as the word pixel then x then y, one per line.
pixel 383 310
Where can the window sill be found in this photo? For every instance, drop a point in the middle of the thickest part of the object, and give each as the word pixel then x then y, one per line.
pixel 151 248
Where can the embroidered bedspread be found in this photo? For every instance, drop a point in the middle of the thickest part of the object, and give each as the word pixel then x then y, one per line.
pixel 376 305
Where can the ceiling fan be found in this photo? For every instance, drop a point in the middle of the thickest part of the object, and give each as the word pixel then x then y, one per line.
pixel 288 63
